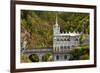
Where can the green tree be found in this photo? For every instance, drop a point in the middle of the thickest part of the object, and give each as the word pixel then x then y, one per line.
pixel 84 57
pixel 81 53
pixel 75 54
pixel 34 58
pixel 47 57
pixel 40 25
pixel 24 58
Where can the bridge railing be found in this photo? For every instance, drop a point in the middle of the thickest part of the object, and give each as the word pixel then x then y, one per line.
pixel 37 50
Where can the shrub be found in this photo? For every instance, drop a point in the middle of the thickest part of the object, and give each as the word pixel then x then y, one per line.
pixel 24 58
pixel 34 58
pixel 47 57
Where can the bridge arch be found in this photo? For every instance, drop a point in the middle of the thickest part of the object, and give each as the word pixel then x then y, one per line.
pixel 38 52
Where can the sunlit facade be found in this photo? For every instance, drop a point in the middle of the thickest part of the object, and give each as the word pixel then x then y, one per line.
pixel 63 42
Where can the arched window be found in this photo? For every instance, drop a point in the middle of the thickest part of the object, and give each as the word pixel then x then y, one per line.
pixel 65 47
pixel 55 49
pixel 65 57
pixel 68 38
pixel 57 39
pixel 57 57
pixel 61 39
pixel 73 46
pixel 64 39
pixel 68 47
pixel 61 47
pixel 76 39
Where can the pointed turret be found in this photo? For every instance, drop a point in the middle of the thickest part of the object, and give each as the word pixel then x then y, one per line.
pixel 56 28
pixel 56 21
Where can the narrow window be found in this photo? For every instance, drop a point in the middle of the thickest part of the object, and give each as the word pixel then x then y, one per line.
pixel 68 47
pixel 65 57
pixel 61 47
pixel 65 47
pixel 57 57
pixel 57 39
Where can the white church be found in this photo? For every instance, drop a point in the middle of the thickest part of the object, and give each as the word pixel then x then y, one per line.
pixel 63 43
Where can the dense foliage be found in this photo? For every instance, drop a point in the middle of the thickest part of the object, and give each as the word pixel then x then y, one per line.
pixel 81 53
pixel 47 57
pixel 39 25
pixel 34 58
pixel 24 58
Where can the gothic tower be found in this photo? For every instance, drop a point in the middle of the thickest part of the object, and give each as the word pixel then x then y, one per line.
pixel 56 28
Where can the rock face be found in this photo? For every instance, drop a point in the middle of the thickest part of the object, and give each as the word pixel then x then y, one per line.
pixel 24 38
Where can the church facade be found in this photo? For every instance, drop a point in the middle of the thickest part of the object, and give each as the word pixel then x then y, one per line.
pixel 63 43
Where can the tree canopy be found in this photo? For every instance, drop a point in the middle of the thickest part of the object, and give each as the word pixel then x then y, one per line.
pixel 39 24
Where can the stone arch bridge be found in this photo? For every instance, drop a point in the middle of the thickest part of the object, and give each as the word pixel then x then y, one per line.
pixel 40 52
pixel 56 55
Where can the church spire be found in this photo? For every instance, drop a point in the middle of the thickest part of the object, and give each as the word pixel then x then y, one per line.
pixel 56 28
pixel 56 20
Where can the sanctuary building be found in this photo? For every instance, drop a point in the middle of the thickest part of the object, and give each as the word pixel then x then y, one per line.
pixel 63 43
